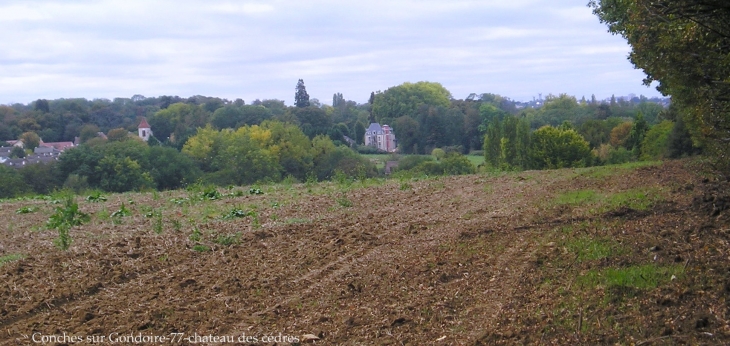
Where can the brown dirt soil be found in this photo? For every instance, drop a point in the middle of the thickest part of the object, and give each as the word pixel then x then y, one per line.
pixel 470 260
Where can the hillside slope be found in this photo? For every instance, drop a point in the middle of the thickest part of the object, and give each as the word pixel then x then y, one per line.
pixel 629 254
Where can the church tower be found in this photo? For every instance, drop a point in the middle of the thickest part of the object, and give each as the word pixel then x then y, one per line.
pixel 144 130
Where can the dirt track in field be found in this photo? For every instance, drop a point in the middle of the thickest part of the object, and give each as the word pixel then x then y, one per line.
pixel 448 261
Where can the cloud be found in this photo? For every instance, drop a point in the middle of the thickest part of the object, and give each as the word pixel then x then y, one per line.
pixel 258 49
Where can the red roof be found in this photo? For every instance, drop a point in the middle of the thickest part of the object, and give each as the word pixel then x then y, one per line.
pixel 144 124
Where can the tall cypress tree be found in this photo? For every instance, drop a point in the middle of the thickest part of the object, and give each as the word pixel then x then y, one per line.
pixel 301 98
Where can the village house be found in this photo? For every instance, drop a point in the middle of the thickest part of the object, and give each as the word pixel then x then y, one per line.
pixel 381 137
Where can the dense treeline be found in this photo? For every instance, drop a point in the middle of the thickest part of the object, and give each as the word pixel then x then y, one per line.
pixel 683 45
pixel 224 142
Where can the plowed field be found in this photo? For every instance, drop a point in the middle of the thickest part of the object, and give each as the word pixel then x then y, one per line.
pixel 634 254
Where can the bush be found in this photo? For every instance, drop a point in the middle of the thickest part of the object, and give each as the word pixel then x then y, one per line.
pixel 620 155
pixel 411 161
pixel 457 164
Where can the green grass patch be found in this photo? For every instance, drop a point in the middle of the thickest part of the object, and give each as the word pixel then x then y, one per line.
pixel 10 258
pixel 590 249
pixel 201 248
pixel 599 172
pixel 476 160
pixel 634 199
pixel 646 276
pixel 637 199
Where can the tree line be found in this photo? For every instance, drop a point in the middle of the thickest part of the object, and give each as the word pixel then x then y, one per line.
pixel 226 142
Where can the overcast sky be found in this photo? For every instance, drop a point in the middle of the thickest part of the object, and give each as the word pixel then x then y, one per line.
pixel 250 50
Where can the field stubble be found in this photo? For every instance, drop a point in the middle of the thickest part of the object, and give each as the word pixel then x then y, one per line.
pixel 455 260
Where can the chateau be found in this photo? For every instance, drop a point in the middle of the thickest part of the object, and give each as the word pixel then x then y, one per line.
pixel 382 138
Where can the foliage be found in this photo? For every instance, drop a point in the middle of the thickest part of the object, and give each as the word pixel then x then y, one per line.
pixel 11 183
pixel 30 139
pixel 556 148
pixel 17 153
pixel 64 218
pixel 301 98
pixel 655 143
pixel 684 46
pixel 122 212
pixel 25 210
pixel 407 98
pixel 96 197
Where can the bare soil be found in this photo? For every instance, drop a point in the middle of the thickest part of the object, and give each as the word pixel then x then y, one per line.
pixel 470 260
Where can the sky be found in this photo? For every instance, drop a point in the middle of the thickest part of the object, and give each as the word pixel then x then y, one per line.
pixel 260 49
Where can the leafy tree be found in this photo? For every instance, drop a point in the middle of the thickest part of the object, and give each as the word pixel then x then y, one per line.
pixel 457 164
pixel 655 143
pixel 679 141
pixel 684 45
pixel 438 153
pixel 41 105
pixel 301 98
pixel 359 132
pixel 17 153
pixel 620 133
pixel 88 132
pixel 42 178
pixel 314 121
pixel 636 136
pixel 118 135
pixel 30 140
pixel 171 169
pixel 493 143
pixel 120 174
pixel 407 98
pixel 11 183
pixel 556 148
pixel 408 131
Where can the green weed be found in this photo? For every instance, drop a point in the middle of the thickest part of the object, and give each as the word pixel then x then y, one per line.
pixel 201 248
pixel 195 236
pixel 344 202
pixel 64 219
pixel 589 249
pixel 228 239
pixel 640 277
pixel 10 258
pixel 95 197
pixel 26 210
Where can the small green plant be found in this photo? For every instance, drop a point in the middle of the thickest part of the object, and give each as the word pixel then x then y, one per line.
pixel 64 219
pixel 404 186
pixel 211 194
pixel 344 202
pixel 25 210
pixel 10 258
pixel 640 277
pixel 228 239
pixel 95 197
pixel 180 201
pixel 201 248
pixel 196 235
pixel 589 249
pixel 255 191
pixel 123 211
pixel 157 225
pixel 236 213
pixel 176 225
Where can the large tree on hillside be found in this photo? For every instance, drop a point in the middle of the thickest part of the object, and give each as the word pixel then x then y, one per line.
pixel 685 46
pixel 301 98
pixel 407 98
